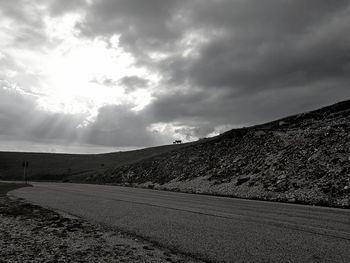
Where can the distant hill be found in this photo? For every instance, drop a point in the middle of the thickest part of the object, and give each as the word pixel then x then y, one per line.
pixel 304 158
pixel 71 167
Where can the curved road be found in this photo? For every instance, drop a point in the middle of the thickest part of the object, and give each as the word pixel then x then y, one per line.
pixel 213 228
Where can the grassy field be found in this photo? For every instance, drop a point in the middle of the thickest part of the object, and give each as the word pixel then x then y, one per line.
pixel 72 167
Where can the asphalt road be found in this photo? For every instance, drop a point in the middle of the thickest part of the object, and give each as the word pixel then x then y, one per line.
pixel 213 228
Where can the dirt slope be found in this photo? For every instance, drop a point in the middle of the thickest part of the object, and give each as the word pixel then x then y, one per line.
pixel 303 158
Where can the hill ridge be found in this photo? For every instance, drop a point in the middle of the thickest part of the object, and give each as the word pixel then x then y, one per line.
pixel 303 158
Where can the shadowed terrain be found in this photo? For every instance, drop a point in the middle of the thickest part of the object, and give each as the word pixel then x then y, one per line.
pixel 70 167
pixel 304 158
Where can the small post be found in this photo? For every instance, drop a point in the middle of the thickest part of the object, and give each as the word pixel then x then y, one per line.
pixel 25 166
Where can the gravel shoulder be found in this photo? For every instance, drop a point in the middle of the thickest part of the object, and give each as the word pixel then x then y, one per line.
pixel 30 233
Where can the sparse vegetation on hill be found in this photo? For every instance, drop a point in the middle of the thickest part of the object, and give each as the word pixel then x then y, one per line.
pixel 304 158
pixel 70 167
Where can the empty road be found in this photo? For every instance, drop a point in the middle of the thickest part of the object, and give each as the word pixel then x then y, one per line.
pixel 214 228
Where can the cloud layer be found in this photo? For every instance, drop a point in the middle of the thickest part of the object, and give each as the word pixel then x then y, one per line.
pixel 202 67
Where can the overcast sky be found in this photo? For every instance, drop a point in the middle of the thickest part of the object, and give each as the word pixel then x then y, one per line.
pixel 89 76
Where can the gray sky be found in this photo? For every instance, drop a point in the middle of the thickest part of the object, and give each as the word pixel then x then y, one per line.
pixel 105 75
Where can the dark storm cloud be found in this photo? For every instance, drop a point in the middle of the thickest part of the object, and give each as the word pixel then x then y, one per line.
pixel 59 7
pixel 279 67
pixel 129 83
pixel 256 55
pixel 226 62
pixel 143 25
pixel 132 83
pixel 118 125
pixel 297 43
pixel 204 114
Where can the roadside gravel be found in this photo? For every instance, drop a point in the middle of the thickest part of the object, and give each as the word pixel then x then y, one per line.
pixel 29 233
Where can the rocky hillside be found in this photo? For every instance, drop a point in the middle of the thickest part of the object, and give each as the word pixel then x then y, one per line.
pixel 303 158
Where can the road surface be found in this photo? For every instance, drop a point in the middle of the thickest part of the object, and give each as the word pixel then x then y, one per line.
pixel 212 228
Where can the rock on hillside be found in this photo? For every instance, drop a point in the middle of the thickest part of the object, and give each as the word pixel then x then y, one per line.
pixel 304 158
